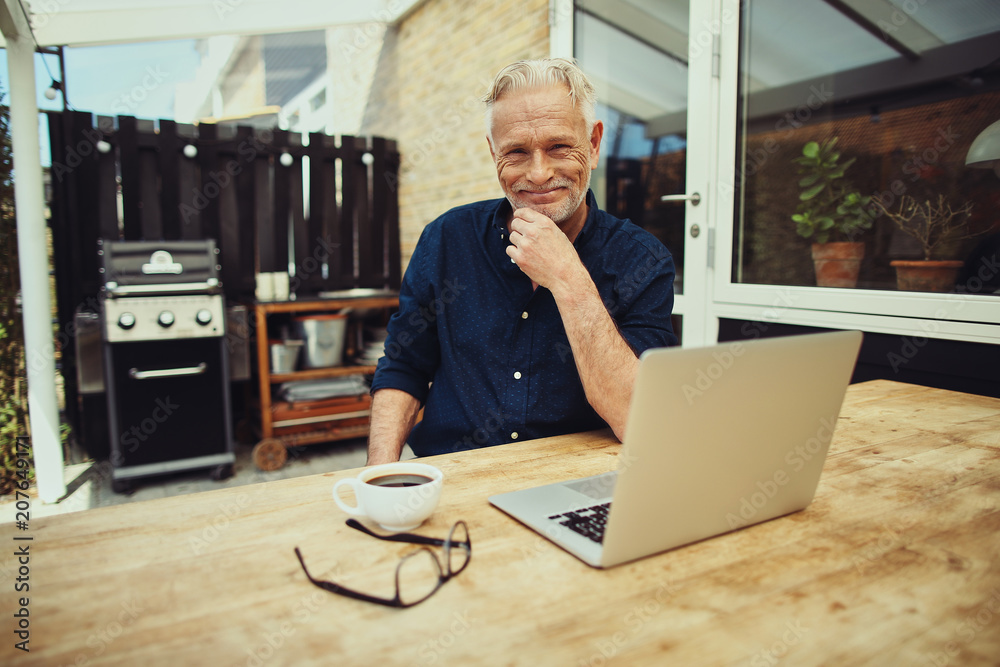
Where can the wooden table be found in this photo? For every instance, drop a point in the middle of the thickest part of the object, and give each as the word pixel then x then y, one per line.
pixel 897 561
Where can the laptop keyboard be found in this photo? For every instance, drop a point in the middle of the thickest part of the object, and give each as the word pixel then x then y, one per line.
pixel 588 521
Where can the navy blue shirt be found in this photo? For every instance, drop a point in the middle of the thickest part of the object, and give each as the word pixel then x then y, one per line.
pixel 488 356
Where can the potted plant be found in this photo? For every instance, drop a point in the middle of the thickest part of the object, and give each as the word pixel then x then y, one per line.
pixel 831 213
pixel 933 223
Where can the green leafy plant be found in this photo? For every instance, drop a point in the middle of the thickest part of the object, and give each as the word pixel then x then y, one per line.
pixel 829 208
pixel 13 399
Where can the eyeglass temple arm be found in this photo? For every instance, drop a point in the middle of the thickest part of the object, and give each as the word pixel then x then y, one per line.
pixel 398 537
pixel 346 592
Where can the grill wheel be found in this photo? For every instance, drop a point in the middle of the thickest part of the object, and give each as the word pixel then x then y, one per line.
pixel 270 454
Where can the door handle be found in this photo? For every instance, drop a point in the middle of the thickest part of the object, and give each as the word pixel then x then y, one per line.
pixel 136 374
pixel 694 198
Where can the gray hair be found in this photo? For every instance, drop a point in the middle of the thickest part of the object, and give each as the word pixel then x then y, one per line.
pixel 525 74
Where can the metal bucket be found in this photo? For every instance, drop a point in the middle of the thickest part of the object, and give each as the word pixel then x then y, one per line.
pixel 284 355
pixel 324 339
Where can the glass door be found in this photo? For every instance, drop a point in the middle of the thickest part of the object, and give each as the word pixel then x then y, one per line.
pixel 646 68
pixel 850 124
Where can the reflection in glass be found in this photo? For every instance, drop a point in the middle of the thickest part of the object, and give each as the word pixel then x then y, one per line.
pixel 904 93
pixel 637 58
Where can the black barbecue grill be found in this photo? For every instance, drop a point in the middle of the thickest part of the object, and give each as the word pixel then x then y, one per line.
pixel 165 359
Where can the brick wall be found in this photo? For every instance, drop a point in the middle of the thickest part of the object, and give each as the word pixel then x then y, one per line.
pixel 433 71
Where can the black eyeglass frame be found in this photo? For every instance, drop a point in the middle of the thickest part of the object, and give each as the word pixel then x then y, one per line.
pixel 396 601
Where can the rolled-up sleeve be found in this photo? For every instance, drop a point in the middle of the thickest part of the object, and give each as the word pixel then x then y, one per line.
pixel 649 294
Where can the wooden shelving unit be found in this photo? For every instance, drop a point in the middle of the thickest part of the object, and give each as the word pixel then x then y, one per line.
pixel 271 452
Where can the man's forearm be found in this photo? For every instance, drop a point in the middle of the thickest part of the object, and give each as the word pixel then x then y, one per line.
pixel 394 413
pixel 606 363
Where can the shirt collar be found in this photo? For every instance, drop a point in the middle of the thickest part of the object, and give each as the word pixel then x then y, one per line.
pixel 503 212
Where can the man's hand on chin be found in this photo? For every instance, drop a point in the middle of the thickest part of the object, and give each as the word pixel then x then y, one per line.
pixel 542 250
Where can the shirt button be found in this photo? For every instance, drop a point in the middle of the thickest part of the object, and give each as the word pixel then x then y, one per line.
pixel 524 315
pixel 517 375
pixel 513 436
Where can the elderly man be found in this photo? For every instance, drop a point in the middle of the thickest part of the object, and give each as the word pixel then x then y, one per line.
pixel 523 317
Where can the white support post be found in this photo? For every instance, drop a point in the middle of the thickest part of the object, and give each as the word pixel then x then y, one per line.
pixel 29 197
pixel 560 28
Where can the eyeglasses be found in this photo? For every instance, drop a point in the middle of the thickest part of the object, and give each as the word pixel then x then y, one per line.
pixel 419 574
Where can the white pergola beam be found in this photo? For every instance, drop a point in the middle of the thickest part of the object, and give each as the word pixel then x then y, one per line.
pixel 36 302
pixel 98 22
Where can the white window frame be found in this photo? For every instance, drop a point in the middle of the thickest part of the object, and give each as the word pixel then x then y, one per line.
pixel 965 317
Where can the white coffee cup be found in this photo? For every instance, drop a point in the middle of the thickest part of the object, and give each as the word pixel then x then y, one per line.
pixel 397 496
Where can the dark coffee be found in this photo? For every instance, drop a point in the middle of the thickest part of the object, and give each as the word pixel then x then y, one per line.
pixel 399 479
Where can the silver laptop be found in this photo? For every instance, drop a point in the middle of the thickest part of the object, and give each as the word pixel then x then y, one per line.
pixel 718 438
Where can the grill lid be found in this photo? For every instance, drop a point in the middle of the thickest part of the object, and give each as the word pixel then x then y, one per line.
pixel 149 267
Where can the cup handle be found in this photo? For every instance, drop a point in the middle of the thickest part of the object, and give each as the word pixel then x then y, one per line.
pixel 353 483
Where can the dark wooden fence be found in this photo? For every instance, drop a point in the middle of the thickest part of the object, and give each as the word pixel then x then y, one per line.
pixel 335 220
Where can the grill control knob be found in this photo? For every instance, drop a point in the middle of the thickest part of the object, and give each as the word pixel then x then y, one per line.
pixel 165 319
pixel 126 320
pixel 203 316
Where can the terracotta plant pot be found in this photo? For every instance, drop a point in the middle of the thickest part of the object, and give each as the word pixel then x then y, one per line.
pixel 926 275
pixel 837 264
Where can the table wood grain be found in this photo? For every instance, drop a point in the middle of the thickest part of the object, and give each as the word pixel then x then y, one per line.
pixel 897 561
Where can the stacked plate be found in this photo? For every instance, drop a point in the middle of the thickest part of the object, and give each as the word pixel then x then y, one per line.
pixel 374 348
pixel 322 389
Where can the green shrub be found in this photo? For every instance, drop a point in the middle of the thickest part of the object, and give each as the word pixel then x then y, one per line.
pixel 13 386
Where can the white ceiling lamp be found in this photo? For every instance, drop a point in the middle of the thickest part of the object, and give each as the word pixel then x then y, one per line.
pixel 984 153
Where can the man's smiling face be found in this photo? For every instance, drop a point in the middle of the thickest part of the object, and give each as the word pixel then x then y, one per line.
pixel 544 153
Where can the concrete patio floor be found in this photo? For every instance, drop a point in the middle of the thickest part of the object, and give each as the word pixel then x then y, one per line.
pixel 89 484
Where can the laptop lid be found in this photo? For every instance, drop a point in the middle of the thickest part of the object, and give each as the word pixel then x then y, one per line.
pixel 718 438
